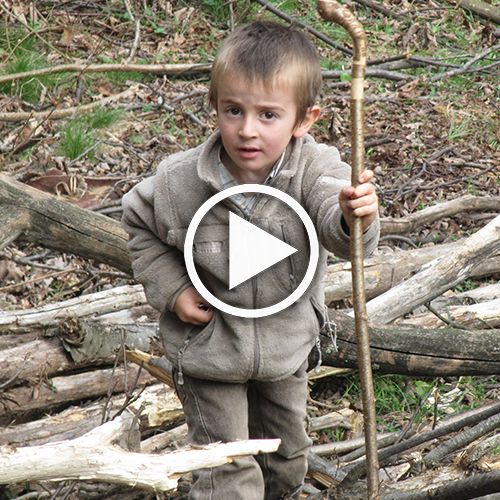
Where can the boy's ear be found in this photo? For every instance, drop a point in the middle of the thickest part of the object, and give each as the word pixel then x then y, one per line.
pixel 309 120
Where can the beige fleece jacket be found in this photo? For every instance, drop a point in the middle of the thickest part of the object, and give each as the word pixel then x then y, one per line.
pixel 157 213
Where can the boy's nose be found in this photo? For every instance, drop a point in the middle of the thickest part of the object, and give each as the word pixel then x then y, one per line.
pixel 248 128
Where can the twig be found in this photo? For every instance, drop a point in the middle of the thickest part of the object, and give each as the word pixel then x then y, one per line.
pixel 84 154
pixel 129 10
pixel 17 17
pixel 398 237
pixel 311 30
pixel 372 73
pixel 6 384
pixel 137 41
pixel 448 322
pixel 34 280
pixel 414 416
pixel 359 469
pixel 466 68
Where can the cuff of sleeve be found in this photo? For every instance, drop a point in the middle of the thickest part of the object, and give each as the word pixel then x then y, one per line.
pixel 173 298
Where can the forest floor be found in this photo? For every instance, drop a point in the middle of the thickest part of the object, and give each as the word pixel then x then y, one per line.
pixel 432 129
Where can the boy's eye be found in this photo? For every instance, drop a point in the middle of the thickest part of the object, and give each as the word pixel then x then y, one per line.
pixel 268 115
pixel 234 111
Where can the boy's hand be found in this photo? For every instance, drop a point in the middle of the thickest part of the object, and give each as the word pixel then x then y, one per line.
pixel 191 307
pixel 362 201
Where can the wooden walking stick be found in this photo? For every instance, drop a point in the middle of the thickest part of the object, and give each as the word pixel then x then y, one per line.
pixel 331 10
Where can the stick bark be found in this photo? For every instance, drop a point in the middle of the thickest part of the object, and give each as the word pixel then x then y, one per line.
pixel 334 12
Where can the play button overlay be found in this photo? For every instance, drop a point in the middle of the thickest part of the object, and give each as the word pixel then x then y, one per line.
pixel 252 251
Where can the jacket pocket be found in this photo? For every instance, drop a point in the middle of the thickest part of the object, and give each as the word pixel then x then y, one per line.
pixel 289 273
pixel 197 334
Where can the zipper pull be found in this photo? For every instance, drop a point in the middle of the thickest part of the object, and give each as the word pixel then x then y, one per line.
pixel 180 378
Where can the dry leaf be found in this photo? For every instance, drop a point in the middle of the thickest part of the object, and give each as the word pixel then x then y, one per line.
pixel 67 36
pixel 179 39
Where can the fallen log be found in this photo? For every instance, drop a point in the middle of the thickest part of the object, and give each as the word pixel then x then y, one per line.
pixel 93 457
pixel 176 437
pixel 98 303
pixel 483 315
pixel 476 486
pixel 30 215
pixel 470 297
pixel 157 408
pixel 438 277
pixel 383 272
pixel 23 402
pixel 483 9
pixel 467 204
pixel 415 351
pixel 86 344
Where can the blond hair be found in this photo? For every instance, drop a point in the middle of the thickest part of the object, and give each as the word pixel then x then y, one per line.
pixel 264 52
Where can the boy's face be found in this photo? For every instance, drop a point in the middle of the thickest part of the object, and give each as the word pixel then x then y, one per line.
pixel 256 124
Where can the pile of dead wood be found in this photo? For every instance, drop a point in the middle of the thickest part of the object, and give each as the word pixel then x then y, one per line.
pixel 65 360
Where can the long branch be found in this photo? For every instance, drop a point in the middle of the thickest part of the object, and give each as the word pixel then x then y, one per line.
pixel 106 68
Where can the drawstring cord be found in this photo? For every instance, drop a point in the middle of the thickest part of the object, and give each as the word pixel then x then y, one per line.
pixel 330 328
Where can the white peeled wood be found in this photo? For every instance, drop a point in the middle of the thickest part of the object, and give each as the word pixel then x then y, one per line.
pixel 95 457
pixel 440 275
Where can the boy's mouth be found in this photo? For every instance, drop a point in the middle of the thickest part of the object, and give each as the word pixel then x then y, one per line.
pixel 248 152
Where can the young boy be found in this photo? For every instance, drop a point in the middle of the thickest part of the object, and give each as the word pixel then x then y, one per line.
pixel 242 378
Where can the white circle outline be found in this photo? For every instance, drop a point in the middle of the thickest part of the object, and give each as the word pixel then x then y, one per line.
pixel 238 311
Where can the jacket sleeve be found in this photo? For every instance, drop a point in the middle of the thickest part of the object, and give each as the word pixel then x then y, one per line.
pixel 158 266
pixel 328 174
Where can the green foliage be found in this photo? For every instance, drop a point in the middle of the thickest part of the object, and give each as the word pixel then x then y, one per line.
pixel 398 397
pixel 465 286
pixel 219 10
pixel 81 133
pixel 24 56
pixel 458 130
pixel 121 77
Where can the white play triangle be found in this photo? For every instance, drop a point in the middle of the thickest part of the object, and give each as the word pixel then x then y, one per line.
pixel 252 250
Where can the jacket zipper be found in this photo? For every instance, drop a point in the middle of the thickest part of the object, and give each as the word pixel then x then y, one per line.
pixel 192 335
pixel 256 350
pixel 291 267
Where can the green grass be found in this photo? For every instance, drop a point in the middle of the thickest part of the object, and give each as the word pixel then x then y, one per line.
pixel 397 397
pixel 82 132
pixel 22 57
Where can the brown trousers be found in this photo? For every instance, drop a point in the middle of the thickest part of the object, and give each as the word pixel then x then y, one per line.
pixel 218 411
